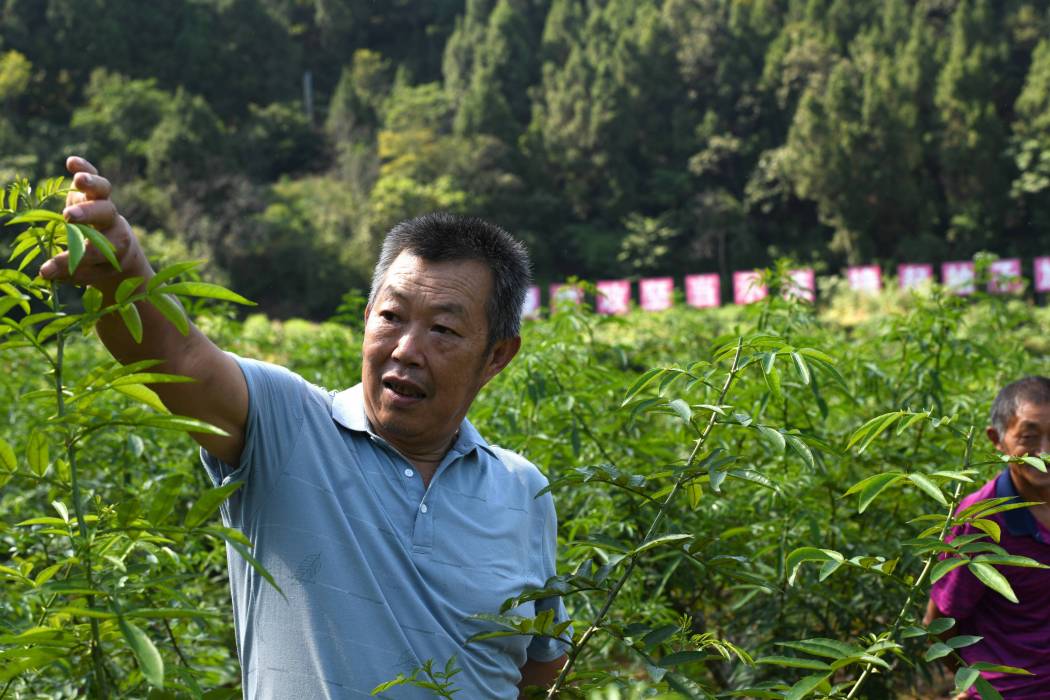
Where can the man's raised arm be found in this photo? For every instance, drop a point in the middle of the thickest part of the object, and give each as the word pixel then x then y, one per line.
pixel 218 395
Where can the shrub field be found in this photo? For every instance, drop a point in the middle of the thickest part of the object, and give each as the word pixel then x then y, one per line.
pixel 752 501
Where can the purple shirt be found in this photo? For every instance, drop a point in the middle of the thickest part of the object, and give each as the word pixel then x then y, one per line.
pixel 1014 634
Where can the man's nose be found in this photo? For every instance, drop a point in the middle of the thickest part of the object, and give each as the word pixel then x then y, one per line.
pixel 409 348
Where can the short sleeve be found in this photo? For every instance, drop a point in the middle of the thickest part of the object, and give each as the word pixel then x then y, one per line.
pixel 276 399
pixel 547 648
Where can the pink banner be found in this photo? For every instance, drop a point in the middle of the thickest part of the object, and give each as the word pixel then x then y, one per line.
pixel 1004 276
pixel 865 278
pixel 802 284
pixel 957 276
pixel 1042 273
pixel 614 296
pixel 656 293
pixel 703 291
pixel 531 307
pixel 914 275
pixel 565 294
pixel 747 287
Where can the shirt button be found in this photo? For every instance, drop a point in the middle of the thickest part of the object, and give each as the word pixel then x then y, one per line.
pixel 409 472
pixel 422 507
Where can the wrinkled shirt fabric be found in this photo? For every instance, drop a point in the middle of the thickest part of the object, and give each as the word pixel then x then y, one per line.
pixel 377 573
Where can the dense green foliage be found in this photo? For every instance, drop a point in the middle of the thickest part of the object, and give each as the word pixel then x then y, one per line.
pixel 752 500
pixel 616 136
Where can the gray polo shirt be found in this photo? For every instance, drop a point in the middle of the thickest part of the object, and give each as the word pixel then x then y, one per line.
pixel 378 573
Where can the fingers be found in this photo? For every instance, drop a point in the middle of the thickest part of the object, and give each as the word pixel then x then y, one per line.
pixel 57 268
pixel 98 213
pixel 76 164
pixel 92 267
pixel 87 183
pixel 93 186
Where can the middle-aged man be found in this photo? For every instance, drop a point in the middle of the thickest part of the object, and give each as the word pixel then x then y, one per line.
pixel 383 515
pixel 1011 634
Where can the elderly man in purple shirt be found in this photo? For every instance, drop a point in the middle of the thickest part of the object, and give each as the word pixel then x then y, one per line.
pixel 1012 634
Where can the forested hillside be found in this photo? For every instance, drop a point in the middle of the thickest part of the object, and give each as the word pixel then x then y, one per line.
pixel 617 137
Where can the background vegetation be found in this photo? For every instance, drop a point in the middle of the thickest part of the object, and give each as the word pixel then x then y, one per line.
pixel 617 137
pixel 753 500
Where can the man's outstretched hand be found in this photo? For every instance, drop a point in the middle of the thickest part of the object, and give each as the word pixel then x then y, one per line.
pixel 89 203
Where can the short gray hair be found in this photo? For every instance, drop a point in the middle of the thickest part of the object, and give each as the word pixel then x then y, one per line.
pixel 1033 389
pixel 442 237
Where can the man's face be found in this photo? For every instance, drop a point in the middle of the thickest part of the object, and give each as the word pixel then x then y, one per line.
pixel 1028 433
pixel 425 355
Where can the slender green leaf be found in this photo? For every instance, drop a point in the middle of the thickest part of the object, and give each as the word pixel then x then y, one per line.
pixel 7 457
pixel 150 662
pixel 92 300
pixel 930 488
pixel 259 568
pixel 986 690
pixel 805 686
pixel 126 288
pixel 209 502
pixel 659 542
pixel 170 271
pixel 34 216
pixel 682 409
pixel 143 395
pixel 170 308
pixel 944 566
pixel 938 651
pixel 876 486
pixel 990 576
pixel 37 453
pixel 964 678
pixel 75 245
pixel 794 662
pixel 132 320
pixel 643 381
pixel 205 290
pixel 101 243
pixel 802 367
pixel 963 640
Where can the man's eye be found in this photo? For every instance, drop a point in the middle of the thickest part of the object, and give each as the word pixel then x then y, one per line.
pixel 387 315
pixel 444 330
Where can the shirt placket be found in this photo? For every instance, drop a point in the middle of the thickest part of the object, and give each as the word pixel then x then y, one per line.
pixel 423 532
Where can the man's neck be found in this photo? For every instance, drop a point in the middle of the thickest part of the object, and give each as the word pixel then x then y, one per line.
pixel 425 459
pixel 1041 512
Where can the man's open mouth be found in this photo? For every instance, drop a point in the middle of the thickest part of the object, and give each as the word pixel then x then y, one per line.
pixel 404 389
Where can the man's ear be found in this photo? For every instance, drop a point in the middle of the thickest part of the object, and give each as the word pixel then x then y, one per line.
pixel 500 356
pixel 368 310
pixel 994 436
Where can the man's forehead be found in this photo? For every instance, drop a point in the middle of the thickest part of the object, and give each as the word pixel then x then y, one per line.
pixel 1032 415
pixel 446 305
pixel 455 286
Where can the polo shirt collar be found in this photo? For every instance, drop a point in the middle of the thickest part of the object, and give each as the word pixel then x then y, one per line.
pixel 1019 522
pixel 348 410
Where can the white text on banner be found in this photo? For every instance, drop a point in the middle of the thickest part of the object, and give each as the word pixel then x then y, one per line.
pixel 957 276
pixel 1004 276
pixel 747 287
pixel 914 274
pixel 703 291
pixel 865 278
pixel 656 293
pixel 614 297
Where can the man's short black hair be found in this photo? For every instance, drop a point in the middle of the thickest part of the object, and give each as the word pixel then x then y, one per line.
pixel 442 237
pixel 1035 390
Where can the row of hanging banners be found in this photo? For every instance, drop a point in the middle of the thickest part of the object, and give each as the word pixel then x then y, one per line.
pixel 705 290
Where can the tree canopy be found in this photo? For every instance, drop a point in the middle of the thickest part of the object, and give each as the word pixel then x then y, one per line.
pixel 617 137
